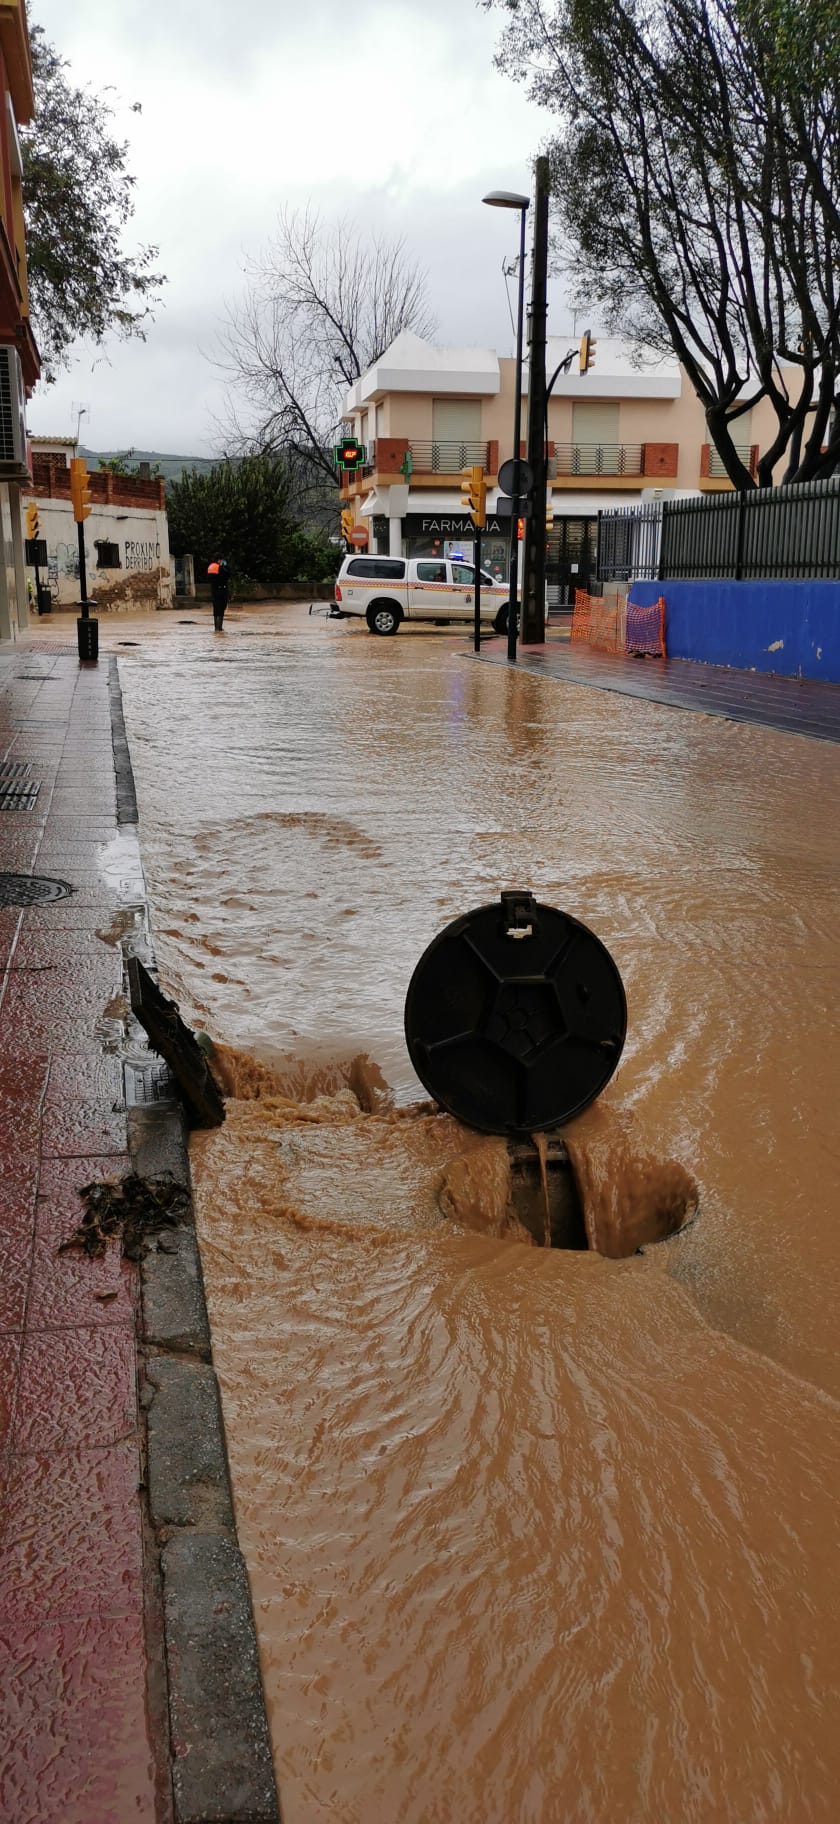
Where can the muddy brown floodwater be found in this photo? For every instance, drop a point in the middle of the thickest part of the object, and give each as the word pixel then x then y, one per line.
pixel 534 1537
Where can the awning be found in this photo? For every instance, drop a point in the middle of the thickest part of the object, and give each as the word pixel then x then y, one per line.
pixel 371 504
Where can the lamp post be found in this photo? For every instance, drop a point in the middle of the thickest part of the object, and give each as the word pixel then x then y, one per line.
pixel 509 199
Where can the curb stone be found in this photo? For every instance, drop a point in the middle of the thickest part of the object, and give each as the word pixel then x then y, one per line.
pixel 220 1749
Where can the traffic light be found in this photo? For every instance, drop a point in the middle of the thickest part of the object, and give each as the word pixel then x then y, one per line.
pixel 549 513
pixel 588 346
pixel 348 523
pixel 474 495
pixel 79 490
pixel 33 529
pixel 520 528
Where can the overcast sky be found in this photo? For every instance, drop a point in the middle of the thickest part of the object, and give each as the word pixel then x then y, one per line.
pixel 387 109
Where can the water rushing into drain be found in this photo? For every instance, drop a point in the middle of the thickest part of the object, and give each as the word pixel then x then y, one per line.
pixel 533 1533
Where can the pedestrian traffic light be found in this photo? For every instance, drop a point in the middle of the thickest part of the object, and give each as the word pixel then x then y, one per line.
pixel 474 495
pixel 588 346
pixel 79 490
pixel 347 522
pixel 33 529
pixel 520 528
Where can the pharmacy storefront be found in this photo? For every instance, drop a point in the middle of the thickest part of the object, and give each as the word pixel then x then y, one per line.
pixel 453 535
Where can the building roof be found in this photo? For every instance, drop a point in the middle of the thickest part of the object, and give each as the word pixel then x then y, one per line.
pixel 621 371
pixel 411 365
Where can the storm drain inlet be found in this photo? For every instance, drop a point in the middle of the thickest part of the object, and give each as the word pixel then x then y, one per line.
pixel 32 890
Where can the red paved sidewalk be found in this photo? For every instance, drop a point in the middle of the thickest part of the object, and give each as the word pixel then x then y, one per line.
pixel 75 1739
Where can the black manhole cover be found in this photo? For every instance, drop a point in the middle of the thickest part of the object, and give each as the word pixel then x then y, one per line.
pixel 31 890
pixel 515 1017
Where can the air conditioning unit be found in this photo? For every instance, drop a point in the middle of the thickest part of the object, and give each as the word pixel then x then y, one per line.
pixel 12 413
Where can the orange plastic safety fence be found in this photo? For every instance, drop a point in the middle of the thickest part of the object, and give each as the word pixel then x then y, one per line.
pixel 646 628
pixel 580 619
pixel 598 621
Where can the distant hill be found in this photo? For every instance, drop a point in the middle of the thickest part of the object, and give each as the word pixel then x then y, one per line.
pixel 171 467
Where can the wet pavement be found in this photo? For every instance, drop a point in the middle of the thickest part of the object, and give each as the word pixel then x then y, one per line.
pixel 796 706
pixel 73 1688
pixel 530 1534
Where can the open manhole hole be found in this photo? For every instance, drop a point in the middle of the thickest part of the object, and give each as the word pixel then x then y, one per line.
pixel 31 890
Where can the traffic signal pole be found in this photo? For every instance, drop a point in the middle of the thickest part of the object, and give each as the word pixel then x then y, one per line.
pixel 516 499
pixel 533 567
pixel 83 570
pixel 477 617
pixel 87 628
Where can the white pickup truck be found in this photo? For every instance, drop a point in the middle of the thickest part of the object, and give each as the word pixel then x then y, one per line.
pixel 390 590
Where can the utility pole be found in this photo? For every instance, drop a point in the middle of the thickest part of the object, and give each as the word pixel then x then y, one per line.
pixel 533 591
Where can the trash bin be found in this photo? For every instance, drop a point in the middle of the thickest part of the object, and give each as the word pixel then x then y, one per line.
pixel 44 600
pixel 88 636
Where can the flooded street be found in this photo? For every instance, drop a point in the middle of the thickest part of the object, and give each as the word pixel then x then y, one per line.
pixel 532 1535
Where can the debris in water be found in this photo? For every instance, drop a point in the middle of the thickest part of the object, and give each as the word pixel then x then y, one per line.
pixel 133 1208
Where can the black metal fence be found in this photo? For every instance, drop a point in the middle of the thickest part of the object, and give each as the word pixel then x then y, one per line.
pixel 628 543
pixel 769 533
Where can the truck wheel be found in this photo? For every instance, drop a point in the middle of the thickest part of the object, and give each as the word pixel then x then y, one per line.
pixel 501 621
pixel 383 617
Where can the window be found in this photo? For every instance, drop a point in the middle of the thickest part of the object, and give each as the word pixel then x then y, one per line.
pixel 463 573
pixel 107 555
pixel 456 420
pixel 381 567
pixel 431 573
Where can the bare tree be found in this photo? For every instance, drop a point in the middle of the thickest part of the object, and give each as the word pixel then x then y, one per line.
pixel 321 304
pixel 696 176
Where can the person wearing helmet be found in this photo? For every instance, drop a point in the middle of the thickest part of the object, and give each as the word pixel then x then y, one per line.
pixel 219 575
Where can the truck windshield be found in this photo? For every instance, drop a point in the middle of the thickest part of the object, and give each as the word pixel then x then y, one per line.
pixel 465 573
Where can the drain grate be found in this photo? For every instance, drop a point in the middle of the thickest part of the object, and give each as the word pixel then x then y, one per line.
pixel 146 1084
pixel 32 890
pixel 18 796
pixel 13 769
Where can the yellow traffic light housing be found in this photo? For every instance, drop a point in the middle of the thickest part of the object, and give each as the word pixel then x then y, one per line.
pixel 474 494
pixel 33 529
pixel 588 346
pixel 79 489
pixel 348 522
pixel 549 513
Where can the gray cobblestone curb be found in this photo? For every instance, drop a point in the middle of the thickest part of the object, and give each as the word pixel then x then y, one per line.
pixel 220 1750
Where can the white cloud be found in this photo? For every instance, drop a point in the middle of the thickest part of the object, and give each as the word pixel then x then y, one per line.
pixel 394 114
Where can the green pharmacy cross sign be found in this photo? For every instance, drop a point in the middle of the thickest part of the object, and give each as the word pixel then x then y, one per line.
pixel 349 454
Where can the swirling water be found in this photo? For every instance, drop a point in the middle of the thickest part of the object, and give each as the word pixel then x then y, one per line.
pixel 531 1535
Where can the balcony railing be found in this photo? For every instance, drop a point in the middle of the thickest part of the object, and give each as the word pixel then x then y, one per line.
pixel 595 459
pixel 370 460
pixel 717 471
pixel 447 457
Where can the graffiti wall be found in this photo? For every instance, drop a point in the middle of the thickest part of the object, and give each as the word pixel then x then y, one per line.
pixel 126 555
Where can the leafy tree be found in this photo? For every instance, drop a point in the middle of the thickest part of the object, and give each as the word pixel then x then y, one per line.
pixel 77 198
pixel 696 175
pixel 243 510
pixel 120 465
pixel 320 305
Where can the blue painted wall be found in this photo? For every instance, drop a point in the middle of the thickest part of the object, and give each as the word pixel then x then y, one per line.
pixel 792 628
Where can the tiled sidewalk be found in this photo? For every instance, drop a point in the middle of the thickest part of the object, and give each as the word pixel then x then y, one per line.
pixel 794 706
pixel 75 1739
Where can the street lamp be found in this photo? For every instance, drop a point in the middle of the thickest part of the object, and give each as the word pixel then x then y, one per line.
pixel 509 199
